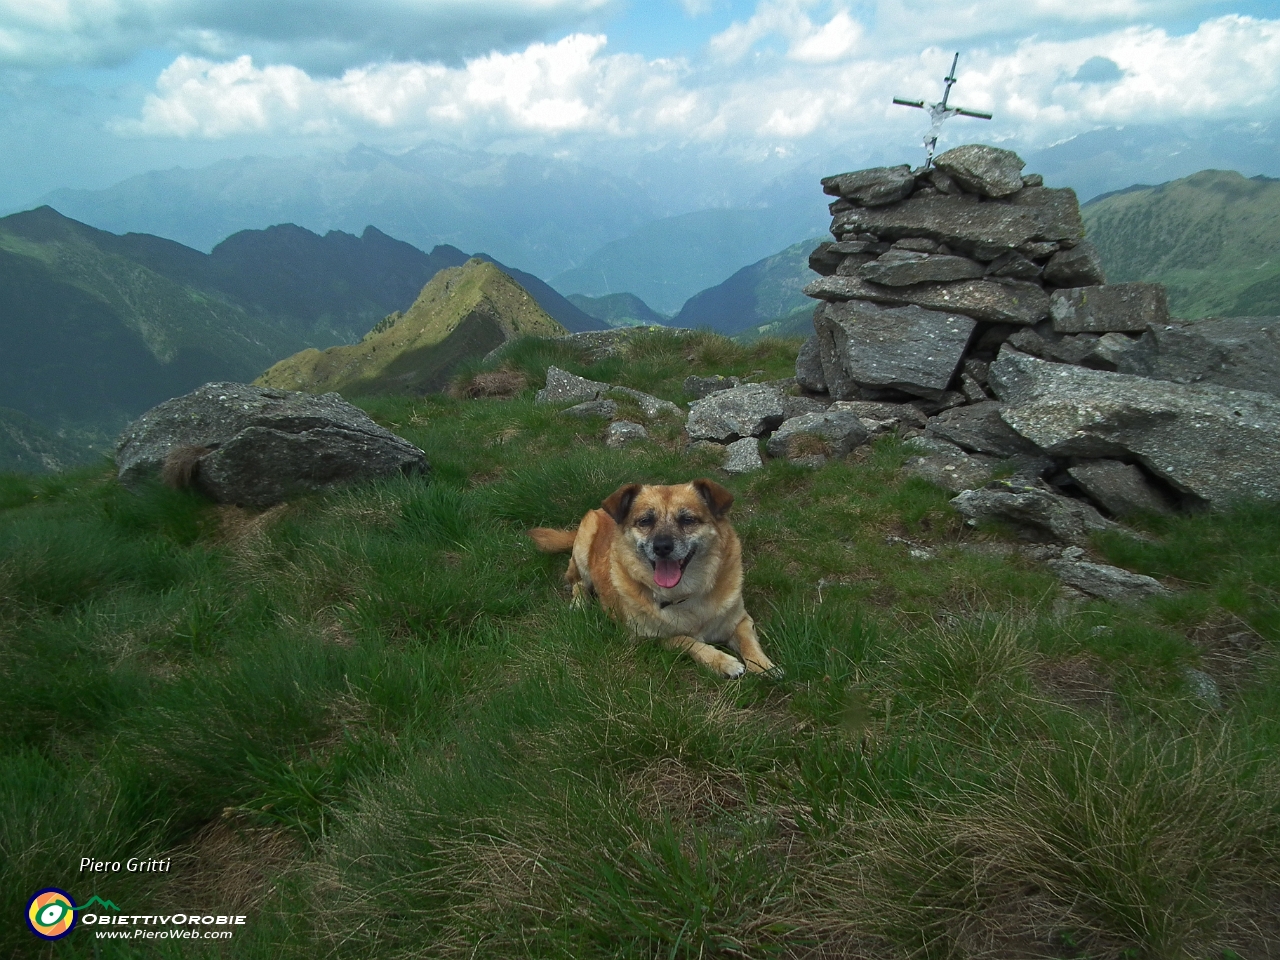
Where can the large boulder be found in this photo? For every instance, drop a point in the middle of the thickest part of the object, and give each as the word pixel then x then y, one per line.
pixel 1214 443
pixel 947 466
pixel 979 428
pixel 1081 266
pixel 871 188
pixel 1239 352
pixel 750 410
pixel 903 348
pixel 836 432
pixel 1120 488
pixel 899 268
pixel 983 169
pixel 257 446
pixel 1034 509
pixel 1107 582
pixel 563 387
pixel 994 301
pixel 809 372
pixel 985 230
pixel 1119 307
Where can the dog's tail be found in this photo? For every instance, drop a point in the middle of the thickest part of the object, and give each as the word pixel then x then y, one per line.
pixel 553 541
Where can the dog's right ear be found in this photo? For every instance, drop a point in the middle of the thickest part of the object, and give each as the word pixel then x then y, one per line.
pixel 619 503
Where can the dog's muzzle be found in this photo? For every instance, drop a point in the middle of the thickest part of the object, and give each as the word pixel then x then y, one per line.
pixel 667 570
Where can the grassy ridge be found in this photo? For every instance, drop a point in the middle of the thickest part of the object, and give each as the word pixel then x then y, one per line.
pixel 371 721
pixel 1212 239
pixel 462 313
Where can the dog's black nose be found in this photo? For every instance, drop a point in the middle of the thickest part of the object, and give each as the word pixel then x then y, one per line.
pixel 663 544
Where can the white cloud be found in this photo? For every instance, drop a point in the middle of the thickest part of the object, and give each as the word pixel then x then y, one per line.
pixel 546 89
pixel 331 33
pixel 833 41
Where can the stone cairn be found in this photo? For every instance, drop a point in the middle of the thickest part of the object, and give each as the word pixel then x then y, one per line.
pixel 968 292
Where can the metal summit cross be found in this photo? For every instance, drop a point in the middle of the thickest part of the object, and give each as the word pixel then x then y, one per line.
pixel 939 112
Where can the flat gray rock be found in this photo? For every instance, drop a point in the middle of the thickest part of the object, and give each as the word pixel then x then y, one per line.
pixel 838 431
pixel 873 187
pixel 592 408
pixel 1214 443
pixel 983 169
pixel 1035 215
pixel 750 410
pixel 699 387
pixel 904 348
pixel 1119 307
pixel 1037 511
pixel 1107 582
pixel 994 301
pixel 1015 266
pixel 1239 352
pixel 650 406
pixel 798 406
pixel 1119 488
pixel 1081 266
pixel 947 466
pixel 622 432
pixel 899 268
pixel 742 456
pixel 809 372
pixel 563 387
pixel 979 428
pixel 263 446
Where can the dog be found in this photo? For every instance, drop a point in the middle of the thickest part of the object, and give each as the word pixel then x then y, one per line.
pixel 666 562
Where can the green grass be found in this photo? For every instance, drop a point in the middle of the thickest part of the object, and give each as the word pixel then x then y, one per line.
pixel 371 722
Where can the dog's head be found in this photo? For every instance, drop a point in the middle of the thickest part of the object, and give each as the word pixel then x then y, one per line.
pixel 670 527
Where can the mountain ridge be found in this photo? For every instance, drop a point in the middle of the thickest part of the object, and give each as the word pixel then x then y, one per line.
pixel 462 313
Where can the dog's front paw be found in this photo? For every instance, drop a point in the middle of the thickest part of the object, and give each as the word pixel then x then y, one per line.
pixel 731 668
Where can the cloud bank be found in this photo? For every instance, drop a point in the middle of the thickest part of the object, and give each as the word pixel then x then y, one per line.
pixel 815 76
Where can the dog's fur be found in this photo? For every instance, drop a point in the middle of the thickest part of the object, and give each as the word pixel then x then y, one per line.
pixel 645 534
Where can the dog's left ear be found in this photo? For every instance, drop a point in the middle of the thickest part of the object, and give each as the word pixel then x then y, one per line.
pixel 618 505
pixel 717 498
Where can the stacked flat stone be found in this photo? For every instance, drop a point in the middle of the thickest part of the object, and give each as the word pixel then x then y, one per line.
pixel 968 291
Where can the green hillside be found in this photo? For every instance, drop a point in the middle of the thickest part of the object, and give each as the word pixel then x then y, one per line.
pixel 1213 239
pixel 766 293
pixel 618 310
pixel 372 723
pixel 87 335
pixel 461 315
pixel 27 447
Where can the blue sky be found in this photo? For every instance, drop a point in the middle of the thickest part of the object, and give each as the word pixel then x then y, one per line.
pixel 92 91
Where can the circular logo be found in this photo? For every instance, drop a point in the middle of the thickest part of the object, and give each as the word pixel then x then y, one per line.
pixel 51 914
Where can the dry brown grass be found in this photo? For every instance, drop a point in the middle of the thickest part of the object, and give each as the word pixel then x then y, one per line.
pixel 501 384
pixel 181 465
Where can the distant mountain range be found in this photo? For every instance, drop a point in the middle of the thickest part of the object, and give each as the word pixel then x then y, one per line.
pixel 95 328
pixel 618 309
pixel 1213 240
pixel 462 314
pixel 543 215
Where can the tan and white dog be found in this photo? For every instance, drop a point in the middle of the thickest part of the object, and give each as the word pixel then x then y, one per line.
pixel 666 562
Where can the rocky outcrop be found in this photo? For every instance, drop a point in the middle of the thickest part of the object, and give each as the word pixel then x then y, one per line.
pixel 1211 442
pixel 257 447
pixel 751 410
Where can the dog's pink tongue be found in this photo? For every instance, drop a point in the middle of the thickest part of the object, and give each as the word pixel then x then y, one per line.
pixel 666 573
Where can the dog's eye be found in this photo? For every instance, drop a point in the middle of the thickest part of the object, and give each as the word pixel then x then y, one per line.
pixel 689 521
pixel 645 521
